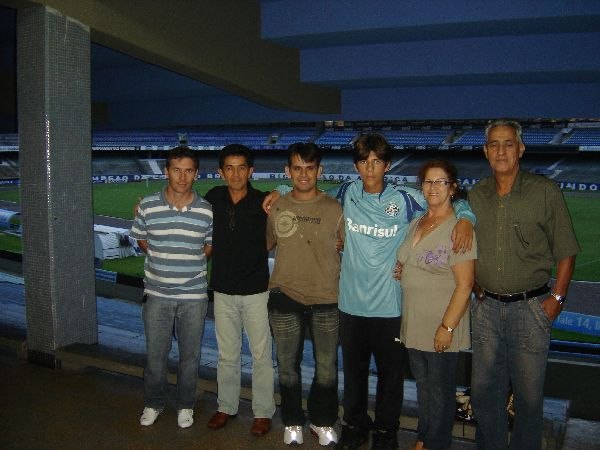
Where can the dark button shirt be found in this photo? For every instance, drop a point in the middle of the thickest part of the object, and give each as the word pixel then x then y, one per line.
pixel 521 235
pixel 239 254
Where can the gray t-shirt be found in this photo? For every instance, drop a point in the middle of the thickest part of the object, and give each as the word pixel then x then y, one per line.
pixel 427 287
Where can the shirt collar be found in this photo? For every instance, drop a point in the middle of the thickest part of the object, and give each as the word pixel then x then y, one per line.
pixel 385 185
pixel 163 196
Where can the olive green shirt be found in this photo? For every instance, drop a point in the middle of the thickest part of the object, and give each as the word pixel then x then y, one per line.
pixel 520 235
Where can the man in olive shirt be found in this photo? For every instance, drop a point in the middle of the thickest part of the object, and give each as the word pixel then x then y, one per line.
pixel 523 229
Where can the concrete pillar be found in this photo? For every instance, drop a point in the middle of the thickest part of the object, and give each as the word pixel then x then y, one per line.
pixel 53 97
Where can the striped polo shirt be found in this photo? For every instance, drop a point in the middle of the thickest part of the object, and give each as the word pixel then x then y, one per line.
pixel 175 266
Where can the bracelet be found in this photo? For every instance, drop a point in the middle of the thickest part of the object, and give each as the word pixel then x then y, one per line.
pixel 447 328
pixel 559 298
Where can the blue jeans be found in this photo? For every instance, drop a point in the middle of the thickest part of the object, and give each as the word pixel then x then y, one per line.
pixel 435 374
pixel 288 330
pixel 510 345
pixel 362 337
pixel 160 316
pixel 232 314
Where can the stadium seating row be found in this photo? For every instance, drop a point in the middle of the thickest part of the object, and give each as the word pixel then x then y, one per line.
pixel 280 138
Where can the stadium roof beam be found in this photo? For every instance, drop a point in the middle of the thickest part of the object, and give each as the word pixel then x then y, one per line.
pixel 294 23
pixel 217 42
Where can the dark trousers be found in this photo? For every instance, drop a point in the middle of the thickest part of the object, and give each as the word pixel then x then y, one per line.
pixel 435 374
pixel 288 326
pixel 360 337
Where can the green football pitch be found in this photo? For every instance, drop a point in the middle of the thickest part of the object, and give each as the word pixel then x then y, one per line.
pixel 118 200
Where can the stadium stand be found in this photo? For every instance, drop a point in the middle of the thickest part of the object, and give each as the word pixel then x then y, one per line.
pixel 415 137
pixel 531 136
pixel 9 165
pixel 287 137
pixel 152 166
pixel 566 137
pixel 584 137
pixel 8 172
pixel 470 137
pixel 269 163
pixel 140 139
pixel 256 138
pixel 336 139
pixel 539 136
pixel 555 150
pixel 116 165
pixel 9 142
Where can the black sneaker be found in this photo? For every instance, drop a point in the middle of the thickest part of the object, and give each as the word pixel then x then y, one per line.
pixel 384 440
pixel 352 438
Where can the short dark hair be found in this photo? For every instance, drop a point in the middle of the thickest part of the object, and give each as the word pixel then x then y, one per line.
pixel 307 151
pixel 451 173
pixel 182 152
pixel 371 142
pixel 236 150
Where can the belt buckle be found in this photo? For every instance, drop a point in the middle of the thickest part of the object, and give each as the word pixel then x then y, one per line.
pixel 521 295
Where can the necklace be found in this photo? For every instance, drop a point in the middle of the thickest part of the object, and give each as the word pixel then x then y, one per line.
pixel 430 226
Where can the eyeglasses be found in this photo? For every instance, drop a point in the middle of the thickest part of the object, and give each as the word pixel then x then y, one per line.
pixel 439 182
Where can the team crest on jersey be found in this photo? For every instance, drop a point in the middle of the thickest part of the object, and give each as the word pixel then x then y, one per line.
pixel 392 209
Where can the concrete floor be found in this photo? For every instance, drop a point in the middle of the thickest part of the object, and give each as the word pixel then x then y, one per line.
pixel 93 409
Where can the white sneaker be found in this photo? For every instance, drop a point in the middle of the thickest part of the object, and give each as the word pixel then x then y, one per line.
pixel 149 415
pixel 293 435
pixel 326 435
pixel 185 418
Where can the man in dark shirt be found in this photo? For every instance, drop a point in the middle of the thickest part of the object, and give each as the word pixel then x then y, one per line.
pixel 239 278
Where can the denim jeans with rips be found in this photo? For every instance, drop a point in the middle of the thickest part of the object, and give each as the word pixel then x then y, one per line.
pixel 161 316
pixel 510 347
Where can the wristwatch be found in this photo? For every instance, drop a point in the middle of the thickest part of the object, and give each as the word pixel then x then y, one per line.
pixel 559 298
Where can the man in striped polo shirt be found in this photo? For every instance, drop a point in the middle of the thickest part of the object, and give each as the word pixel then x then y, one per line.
pixel 174 228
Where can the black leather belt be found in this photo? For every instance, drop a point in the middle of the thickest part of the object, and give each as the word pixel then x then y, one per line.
pixel 507 298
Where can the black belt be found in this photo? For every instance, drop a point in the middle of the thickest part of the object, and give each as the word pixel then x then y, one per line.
pixel 507 298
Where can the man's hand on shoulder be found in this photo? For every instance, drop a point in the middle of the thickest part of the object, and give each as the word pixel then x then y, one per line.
pixel 271 198
pixel 136 208
pixel 462 236
pixel 143 245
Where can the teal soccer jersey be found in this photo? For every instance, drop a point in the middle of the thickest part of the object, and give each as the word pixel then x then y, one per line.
pixel 375 227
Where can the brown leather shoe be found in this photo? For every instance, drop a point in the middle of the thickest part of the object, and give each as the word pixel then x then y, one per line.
pixel 219 419
pixel 260 426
